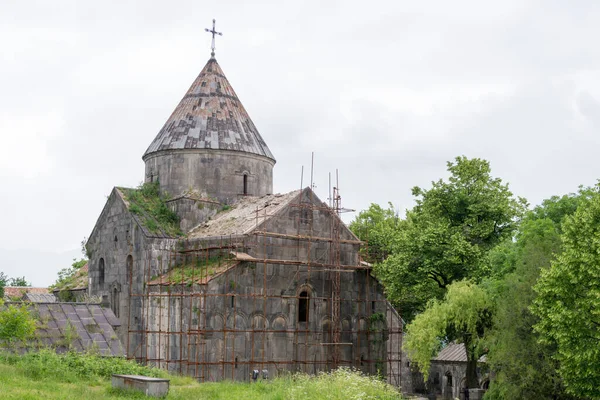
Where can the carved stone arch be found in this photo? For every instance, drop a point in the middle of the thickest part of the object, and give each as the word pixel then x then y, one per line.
pixel 305 287
pixel 485 383
pixel 216 322
pixel 326 328
pixel 463 384
pixel 362 324
pixel 346 330
pixel 115 298
pixel 241 321
pixel 346 325
pixel 258 321
pixel 303 309
pixel 259 335
pixel 279 323
pixel 245 175
pixel 326 338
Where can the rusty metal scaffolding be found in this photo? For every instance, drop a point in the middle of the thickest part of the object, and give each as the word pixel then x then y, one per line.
pixel 174 317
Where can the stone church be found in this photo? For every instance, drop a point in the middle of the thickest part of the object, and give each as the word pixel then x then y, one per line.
pixel 214 275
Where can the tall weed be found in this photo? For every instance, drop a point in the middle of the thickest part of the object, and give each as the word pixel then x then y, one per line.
pixel 73 366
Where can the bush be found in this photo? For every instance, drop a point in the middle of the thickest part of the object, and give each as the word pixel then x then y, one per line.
pixel 73 366
pixel 150 205
pixel 16 324
pixel 343 383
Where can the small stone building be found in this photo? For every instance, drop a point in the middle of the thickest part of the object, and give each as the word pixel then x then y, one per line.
pixel 215 276
pixel 447 376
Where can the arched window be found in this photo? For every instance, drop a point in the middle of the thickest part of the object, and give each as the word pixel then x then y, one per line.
pixel 115 302
pixel 448 379
pixel 245 184
pixel 303 306
pixel 129 269
pixel 101 272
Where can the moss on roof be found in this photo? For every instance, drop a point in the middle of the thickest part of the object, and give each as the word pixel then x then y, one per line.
pixel 198 272
pixel 74 278
pixel 150 206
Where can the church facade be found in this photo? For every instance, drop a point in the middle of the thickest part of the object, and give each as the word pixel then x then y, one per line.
pixel 213 275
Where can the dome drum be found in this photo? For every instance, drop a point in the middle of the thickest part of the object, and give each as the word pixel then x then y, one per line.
pixel 223 175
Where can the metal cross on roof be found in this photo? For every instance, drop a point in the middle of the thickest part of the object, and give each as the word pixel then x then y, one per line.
pixel 214 32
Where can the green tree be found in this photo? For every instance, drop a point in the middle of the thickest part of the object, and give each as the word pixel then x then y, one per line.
pixel 16 324
pixel 378 227
pixel 19 281
pixel 568 302
pixel 556 208
pixel 447 236
pixel 463 316
pixel 523 367
pixel 3 283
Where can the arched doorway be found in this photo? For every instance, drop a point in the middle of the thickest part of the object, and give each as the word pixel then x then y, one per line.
pixel 447 390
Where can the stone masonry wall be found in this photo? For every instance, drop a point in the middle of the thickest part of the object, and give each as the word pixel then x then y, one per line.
pixel 217 174
pixel 115 246
pixel 247 317
pixel 193 212
pixel 233 325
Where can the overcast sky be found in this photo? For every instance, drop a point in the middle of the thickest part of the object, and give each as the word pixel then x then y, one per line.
pixel 385 91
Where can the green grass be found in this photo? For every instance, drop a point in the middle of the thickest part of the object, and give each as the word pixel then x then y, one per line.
pixel 189 273
pixel 73 277
pixel 148 203
pixel 74 376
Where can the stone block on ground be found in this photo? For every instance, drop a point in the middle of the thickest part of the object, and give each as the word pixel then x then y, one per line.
pixel 154 387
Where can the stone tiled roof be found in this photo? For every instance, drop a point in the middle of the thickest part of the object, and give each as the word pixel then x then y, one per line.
pixel 243 217
pixel 40 297
pixel 13 292
pixel 210 116
pixel 454 352
pixel 88 325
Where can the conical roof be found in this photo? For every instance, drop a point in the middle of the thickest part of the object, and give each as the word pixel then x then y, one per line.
pixel 210 116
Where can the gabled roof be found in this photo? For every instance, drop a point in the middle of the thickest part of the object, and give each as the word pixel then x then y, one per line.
pixel 210 116
pixel 143 218
pixel 117 196
pixel 454 352
pixel 244 215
